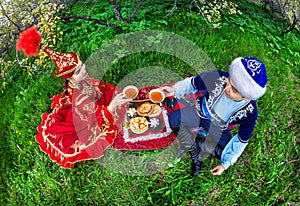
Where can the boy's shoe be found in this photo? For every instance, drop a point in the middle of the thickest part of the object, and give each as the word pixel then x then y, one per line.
pixel 196 167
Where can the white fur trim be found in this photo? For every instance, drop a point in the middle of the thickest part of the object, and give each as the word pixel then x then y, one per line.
pixel 243 82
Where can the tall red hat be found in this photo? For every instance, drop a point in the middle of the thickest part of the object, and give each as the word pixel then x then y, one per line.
pixel 66 64
pixel 29 42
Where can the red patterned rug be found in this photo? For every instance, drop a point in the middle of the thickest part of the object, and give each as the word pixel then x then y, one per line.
pixel 157 143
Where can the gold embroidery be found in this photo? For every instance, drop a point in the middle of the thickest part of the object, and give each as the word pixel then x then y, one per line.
pixel 89 107
pixel 106 121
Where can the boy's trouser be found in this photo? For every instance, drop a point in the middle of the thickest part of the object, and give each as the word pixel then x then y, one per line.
pixel 216 139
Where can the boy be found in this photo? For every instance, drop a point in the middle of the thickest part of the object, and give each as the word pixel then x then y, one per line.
pixel 227 99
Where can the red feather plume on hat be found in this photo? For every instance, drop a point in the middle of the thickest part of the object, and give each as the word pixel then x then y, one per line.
pixel 29 42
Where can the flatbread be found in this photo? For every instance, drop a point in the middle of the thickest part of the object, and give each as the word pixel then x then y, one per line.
pixel 144 109
pixel 156 110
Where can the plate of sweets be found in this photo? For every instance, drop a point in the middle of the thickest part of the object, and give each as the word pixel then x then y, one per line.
pixel 138 125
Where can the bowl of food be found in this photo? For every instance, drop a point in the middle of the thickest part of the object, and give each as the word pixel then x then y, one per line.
pixel 156 96
pixel 138 125
pixel 131 91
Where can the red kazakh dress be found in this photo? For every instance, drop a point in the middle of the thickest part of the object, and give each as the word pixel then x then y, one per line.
pixel 79 127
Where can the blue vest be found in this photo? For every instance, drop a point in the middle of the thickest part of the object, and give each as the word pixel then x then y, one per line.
pixel 212 85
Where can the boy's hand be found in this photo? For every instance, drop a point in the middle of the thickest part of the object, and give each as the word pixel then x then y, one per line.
pixel 218 170
pixel 169 91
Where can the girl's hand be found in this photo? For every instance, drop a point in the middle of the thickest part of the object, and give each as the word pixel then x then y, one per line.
pixel 118 100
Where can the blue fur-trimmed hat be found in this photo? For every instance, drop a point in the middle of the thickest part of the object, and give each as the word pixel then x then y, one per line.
pixel 249 77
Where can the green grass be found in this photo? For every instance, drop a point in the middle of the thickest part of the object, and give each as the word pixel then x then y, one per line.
pixel 267 173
